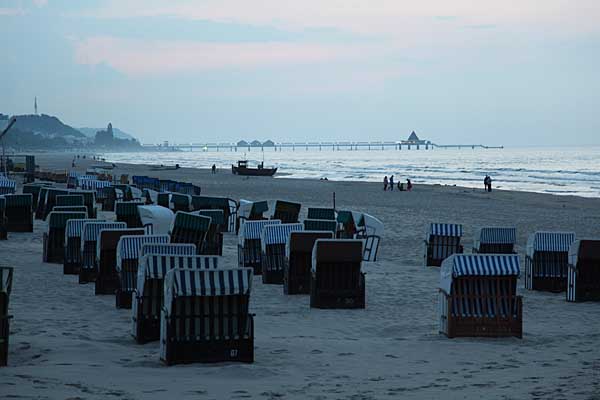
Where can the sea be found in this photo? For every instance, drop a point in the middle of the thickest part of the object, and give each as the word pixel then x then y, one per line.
pixel 554 170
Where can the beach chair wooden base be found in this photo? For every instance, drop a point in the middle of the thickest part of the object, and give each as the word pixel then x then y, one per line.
pixel 272 264
pixel 297 279
pixel 336 298
pixel 4 334
pixel 272 277
pixel 549 284
pixel 146 330
pixel 53 250
pixel 249 257
pixel 87 275
pixel 19 227
pixel 213 245
pixel 106 284
pixel 71 268
pixel 546 272
pixel 186 352
pixel 123 299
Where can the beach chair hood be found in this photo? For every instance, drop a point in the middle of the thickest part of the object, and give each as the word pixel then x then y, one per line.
pixel 160 218
pixel 91 230
pixel 278 234
pixel 304 241
pixel 477 265
pixel 129 246
pixel 337 251
pixel 588 249
pixel 252 229
pixel 549 242
pixel 495 235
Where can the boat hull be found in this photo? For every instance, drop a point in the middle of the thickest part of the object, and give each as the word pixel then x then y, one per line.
pixel 253 171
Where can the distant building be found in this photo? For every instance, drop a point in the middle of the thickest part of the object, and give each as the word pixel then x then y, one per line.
pixel 268 143
pixel 256 143
pixel 414 139
pixel 242 143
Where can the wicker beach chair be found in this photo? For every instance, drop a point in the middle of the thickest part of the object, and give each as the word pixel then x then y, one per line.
pixel 127 211
pixel 107 280
pixel 69 200
pixel 190 228
pixel 229 207
pixel 320 225
pixel 6 274
pixel 51 195
pixel 478 296
pixel 250 211
pixel 54 239
pixel 584 271
pixel 321 213
pixel 547 261
pixel 128 251
pixel 89 238
pixel 287 212
pixel 73 259
pixel 98 187
pixel 213 243
pixel 33 189
pixel 155 219
pixel 298 260
pixel 273 239
pixel 495 240
pixel 205 317
pixel 89 200
pixel 7 186
pixel 249 244
pixel 180 202
pixel 336 277
pixel 167 185
pixel 41 205
pixel 18 212
pixel 441 241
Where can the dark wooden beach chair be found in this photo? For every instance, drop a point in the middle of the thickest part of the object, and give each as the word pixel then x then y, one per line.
pixel 298 260
pixel 213 243
pixel 89 238
pixel 478 296
pixel 584 271
pixel 229 207
pixel 207 322
pixel 89 200
pixel 69 200
pixel 54 239
pixel 336 277
pixel 320 225
pixel 18 212
pixel 51 195
pixel 72 259
pixel 287 212
pixel 128 251
pixel 495 240
pixel 41 206
pixel 6 274
pixel 441 241
pixel 126 211
pixel 273 240
pixel 148 295
pixel 164 200
pixel 249 244
pixel 107 280
pixel 320 213
pixel 190 228
pixel 180 202
pixel 108 197
pixel 250 211
pixel 33 189
pixel 547 261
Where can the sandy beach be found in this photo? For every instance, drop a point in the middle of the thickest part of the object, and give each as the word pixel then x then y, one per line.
pixel 66 343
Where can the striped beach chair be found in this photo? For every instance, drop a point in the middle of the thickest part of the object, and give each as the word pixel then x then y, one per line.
pixel 72 260
pixel 298 260
pixel 107 280
pixel 6 274
pixel 205 317
pixel 495 240
pixel 97 186
pixel 441 241
pixel 213 244
pixel 108 196
pixel 128 252
pixel 547 261
pixel 34 190
pixel 252 210
pixel 320 213
pixel 89 238
pixel 249 244
pixel 127 211
pixel 273 239
pixel 478 296
pixel 189 228
pixel 329 225
pixel 89 200
pixel 180 202
pixel 51 195
pixel 18 212
pixel 584 271
pixel 286 211
pixel 54 239
pixel 229 207
pixel 7 186
pixel 41 205
pixel 336 277
pixel 69 200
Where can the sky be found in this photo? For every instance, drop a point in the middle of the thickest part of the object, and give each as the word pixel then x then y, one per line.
pixel 496 72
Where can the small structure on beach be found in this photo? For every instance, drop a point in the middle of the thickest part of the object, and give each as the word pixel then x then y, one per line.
pixel 414 139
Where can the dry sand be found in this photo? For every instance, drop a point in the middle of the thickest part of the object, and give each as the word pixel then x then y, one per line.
pixel 68 343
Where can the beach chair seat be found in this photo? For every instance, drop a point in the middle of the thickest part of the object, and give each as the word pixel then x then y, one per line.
pixel 205 317
pixel 320 213
pixel 213 243
pixel 54 239
pixel 478 296
pixel 441 241
pixel 163 200
pixel 273 240
pixel 286 211
pixel 89 238
pixel 189 228
pixel 229 207
pixel 18 212
pixel 108 196
pixel 547 261
pixel 249 244
pixel 107 280
pixel 127 211
pixel 336 277
pixel 98 187
pixel 6 274
pixel 495 240
pixel 148 295
pixel 128 251
pixel 583 282
pixel 298 260
pixel 72 259
pixel 320 225
pixel 250 210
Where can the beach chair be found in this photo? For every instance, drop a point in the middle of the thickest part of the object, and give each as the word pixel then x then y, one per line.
pixel 89 200
pixel 72 259
pixel 167 185
pixel 320 225
pixel 190 228
pixel 128 252
pixel 107 280
pixel 180 202
pixel 51 200
pixel 156 220
pixel 3 231
pixel 98 187
pixel 336 278
pixel 6 274
pixel 127 211
pixel 213 243
pixel 478 296
pixel 287 212
pixel 369 230
pixel 69 200
pixel 547 261
pixel 249 244
pixel 320 213
pixel 346 224
pixel 18 212
pixel 41 206
pixel 441 241
pixel 164 200
pixel 33 189
pixel 205 317
pixel 7 186
pixel 54 239
pixel 495 240
pixel 229 207
pixel 583 282
pixel 89 238
pixel 108 196
pixel 273 239
pixel 298 260
pixel 252 211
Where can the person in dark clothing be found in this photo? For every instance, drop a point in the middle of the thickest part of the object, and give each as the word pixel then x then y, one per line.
pixel 401 186
pixel 409 185
pixel 392 183
pixel 385 183
pixel 214 169
pixel 485 182
pixel 489 185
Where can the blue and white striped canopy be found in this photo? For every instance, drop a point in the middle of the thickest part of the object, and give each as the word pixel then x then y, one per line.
pixel 477 265
pixel 549 241
pixel 496 235
pixel 129 246
pixel 75 227
pixel 8 186
pixel 91 230
pixel 438 229
pixel 93 184
pixel 253 229
pixel 278 233
pixel 168 249
pixel 73 174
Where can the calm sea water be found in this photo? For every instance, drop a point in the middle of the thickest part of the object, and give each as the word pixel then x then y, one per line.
pixel 561 171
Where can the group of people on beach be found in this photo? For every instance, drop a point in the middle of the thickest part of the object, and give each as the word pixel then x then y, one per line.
pixel 389 183
pixel 487 183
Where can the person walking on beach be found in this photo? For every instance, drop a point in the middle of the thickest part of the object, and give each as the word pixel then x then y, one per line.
pixel 392 183
pixel 385 183
pixel 214 169
pixel 485 183
pixel 408 185
pixel 489 183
